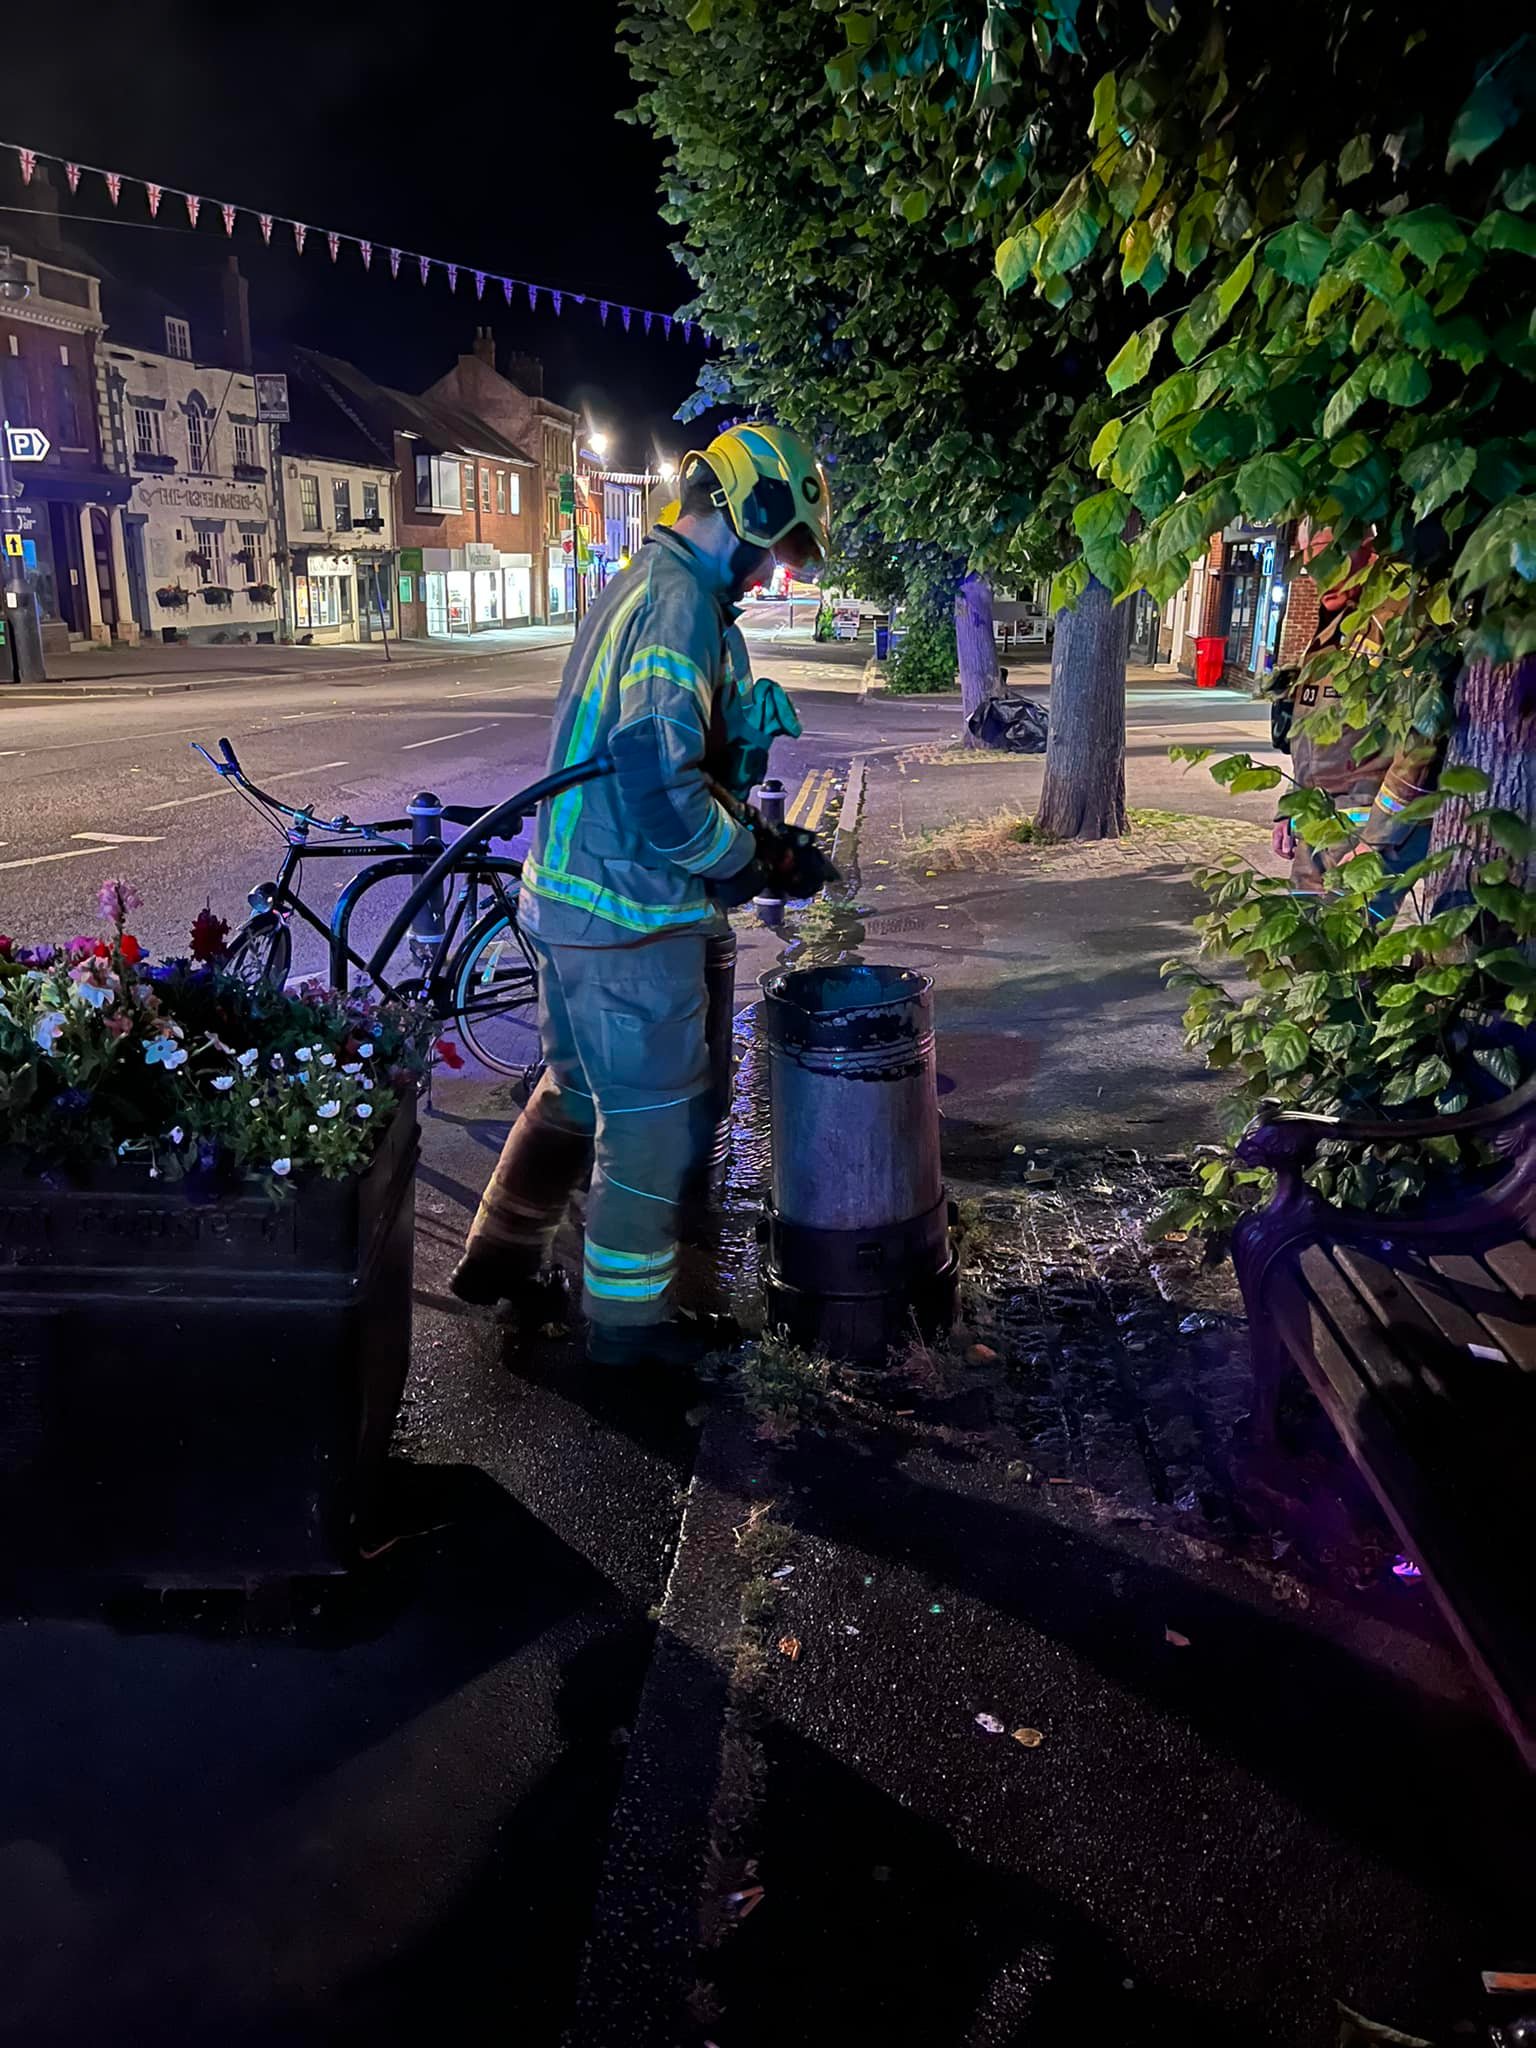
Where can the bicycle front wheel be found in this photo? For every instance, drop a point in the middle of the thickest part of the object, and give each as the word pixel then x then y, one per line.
pixel 495 986
pixel 261 952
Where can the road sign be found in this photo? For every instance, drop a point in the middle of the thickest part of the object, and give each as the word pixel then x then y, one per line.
pixel 13 544
pixel 567 491
pixel 27 444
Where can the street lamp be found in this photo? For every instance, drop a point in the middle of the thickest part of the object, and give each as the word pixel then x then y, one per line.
pixel 599 443
pixel 18 606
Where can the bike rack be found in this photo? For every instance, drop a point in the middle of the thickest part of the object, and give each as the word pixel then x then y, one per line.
pixel 502 821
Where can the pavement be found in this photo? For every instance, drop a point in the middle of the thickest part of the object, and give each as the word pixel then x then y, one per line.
pixel 529 1776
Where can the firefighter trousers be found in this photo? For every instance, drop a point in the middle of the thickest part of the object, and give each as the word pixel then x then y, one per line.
pixel 627 1078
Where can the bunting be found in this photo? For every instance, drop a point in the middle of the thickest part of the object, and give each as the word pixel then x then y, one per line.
pixel 229 213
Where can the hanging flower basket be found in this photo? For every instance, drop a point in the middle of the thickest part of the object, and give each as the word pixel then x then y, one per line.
pixel 216 593
pixel 207 1293
pixel 261 593
pixel 172 597
pixel 199 558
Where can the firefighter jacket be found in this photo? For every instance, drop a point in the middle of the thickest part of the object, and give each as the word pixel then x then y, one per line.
pixel 628 857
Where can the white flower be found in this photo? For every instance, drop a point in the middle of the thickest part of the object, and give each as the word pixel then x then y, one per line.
pixel 366 1082
pixel 281 1166
pixel 302 1054
pixel 255 1102
pixel 365 1052
pixel 353 1069
pixel 154 1173
pixel 88 992
pixel 313 1128
pixel 223 1083
pixel 173 1059
pixel 125 1148
pixel 277 1063
pixel 175 1134
pixel 329 1109
pixel 365 1109
pixel 327 1059
pixel 46 1030
pixel 247 1059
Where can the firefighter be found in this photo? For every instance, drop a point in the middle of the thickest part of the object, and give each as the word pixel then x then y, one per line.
pixel 626 881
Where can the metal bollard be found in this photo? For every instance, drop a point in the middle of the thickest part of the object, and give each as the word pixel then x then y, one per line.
pixel 425 812
pixel 769 801
pixel 719 1033
pixel 858 1228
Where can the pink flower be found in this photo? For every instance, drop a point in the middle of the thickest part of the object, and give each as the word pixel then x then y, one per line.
pixel 80 949
pixel 117 899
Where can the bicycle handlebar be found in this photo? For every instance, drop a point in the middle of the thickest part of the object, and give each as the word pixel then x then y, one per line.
pixel 501 821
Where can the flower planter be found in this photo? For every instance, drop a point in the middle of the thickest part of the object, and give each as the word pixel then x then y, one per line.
pixel 201 1396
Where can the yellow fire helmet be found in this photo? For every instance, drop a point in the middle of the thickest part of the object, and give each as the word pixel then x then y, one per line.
pixel 770 483
pixel 667 516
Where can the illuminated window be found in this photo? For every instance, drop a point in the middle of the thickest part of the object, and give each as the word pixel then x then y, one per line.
pixel 309 503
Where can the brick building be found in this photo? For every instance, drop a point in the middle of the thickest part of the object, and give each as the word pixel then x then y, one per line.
pixel 1240 593
pixel 513 402
pixel 467 518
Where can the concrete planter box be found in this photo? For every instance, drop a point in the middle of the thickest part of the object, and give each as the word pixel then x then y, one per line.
pixel 200 1396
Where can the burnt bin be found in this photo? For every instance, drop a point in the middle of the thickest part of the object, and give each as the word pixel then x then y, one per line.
pixel 201 1396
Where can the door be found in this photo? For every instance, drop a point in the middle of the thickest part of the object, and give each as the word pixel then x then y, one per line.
pixel 110 598
pixel 1240 574
pixel 435 594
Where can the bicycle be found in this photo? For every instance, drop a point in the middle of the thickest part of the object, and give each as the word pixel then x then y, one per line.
pixel 476 969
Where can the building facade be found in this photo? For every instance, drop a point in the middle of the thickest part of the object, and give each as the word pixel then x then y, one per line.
pixel 68 518
pixel 200 532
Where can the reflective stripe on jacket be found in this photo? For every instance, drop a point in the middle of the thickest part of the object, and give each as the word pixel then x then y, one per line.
pixel 627 857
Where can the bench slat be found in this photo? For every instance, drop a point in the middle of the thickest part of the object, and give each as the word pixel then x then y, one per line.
pixel 1506 1320
pixel 1515 1265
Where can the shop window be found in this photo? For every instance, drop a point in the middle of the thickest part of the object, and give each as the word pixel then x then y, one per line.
pixel 309 503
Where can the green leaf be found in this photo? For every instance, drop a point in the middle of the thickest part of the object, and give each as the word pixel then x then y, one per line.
pixel 1397 995
pixel 1330 289
pixel 914 206
pixel 842 71
pixel 1430 1074
pixel 1520 187
pixel 1172 398
pixel 1504 231
pixel 1488 111
pixel 1444 981
pixel 1355 159
pixel 1011 262
pixel 859 29
pixel 1509 966
pixel 1268 486
pixel 1068 586
pixel 1352 449
pixel 1511 831
pixel 1298 253
pixel 1435 471
pixel 1101 517
pixel 1103 117
pixel 1234 284
pixel 1195 330
pixel 1347 400
pixel 1070 242
pixel 1501 1061
pixel 1255 778
pixel 1401 380
pixel 1284 1047
pixel 1133 361
pixel 701 15
pixel 1463 780
pixel 1430 233
pixel 1105 443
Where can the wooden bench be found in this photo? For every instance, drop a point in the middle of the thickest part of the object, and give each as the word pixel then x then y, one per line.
pixel 1418 1336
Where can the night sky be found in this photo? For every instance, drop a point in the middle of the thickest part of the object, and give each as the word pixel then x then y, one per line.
pixel 486 138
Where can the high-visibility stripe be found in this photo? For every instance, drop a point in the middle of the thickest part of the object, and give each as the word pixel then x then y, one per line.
pixel 666 665
pixel 575 890
pixel 708 843
pixel 604 1258
pixel 604 1289
pixel 566 808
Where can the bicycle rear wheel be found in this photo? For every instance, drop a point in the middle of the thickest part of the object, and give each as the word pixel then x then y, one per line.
pixel 495 984
pixel 261 952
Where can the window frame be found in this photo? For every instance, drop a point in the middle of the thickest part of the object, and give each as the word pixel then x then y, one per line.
pixel 306 524
pixel 247 445
pixel 341 504
pixel 154 443
pixel 200 441
pixel 370 501
pixel 178 331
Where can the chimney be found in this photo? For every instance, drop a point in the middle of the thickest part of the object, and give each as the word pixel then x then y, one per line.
pixel 485 347
pixel 236 297
pixel 527 373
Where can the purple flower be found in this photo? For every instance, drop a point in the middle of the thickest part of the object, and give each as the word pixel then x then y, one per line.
pixel 117 899
pixel 71 1100
pixel 35 956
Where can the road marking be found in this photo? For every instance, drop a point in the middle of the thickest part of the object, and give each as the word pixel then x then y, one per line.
pixel 819 802
pixel 411 745
pixel 173 803
pixel 38 860
pixel 120 838
pixel 802 797
pixel 10 753
pixel 293 774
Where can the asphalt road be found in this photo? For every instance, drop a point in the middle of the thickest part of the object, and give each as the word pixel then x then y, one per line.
pixel 92 787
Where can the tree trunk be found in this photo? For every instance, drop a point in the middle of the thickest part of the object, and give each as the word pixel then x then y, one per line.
pixel 1495 730
pixel 975 647
pixel 1084 792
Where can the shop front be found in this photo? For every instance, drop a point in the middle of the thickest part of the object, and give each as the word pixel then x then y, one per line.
pixel 324 597
pixel 516 589
pixel 1252 598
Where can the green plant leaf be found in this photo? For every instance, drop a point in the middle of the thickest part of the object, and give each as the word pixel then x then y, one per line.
pixel 1430 1074
pixel 1347 400
pixel 1285 1047
pixel 1430 233
pixel 1255 778
pixel 1509 966
pixel 701 15
pixel 1234 284
pixel 1435 471
pixel 1298 253
pixel 1133 361
pixel 914 207
pixel 1401 380
pixel 1463 780
pixel 1011 262
pixel 1501 1061
pixel 1268 486
pixel 1487 112
pixel 1505 231
pixel 1355 159
pixel 1103 117
pixel 1101 517
pixel 1104 444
